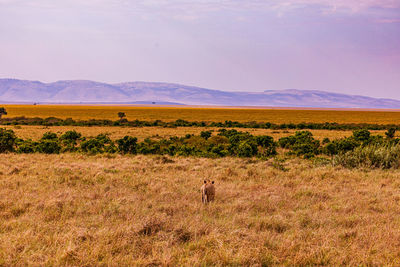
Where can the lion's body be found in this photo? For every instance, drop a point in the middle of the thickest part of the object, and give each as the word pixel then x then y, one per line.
pixel 207 192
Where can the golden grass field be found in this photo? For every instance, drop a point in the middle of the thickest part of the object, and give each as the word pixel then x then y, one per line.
pixel 204 114
pixel 36 132
pixel 80 210
pixel 77 210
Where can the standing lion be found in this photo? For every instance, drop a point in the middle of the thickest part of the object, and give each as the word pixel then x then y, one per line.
pixel 207 191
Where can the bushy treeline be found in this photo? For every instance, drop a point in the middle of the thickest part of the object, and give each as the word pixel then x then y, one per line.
pixel 359 150
pixel 52 121
pixel 225 143
pixel 302 143
pixel 371 156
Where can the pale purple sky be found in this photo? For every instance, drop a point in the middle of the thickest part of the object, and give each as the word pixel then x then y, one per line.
pixel 345 46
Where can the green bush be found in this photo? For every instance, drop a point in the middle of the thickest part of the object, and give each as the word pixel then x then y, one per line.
pixel 128 144
pixel 97 145
pixel 372 156
pixel 331 149
pixel 196 142
pixel 48 146
pixel 219 151
pixel 391 133
pixel 7 140
pixel 206 134
pixel 171 150
pixel 71 136
pixel 268 146
pixel 186 150
pixel 241 144
pixel 217 140
pixel 346 144
pixel 148 146
pixel 2 111
pixel 326 141
pixel 302 143
pixel 246 148
pixel 69 141
pixel 111 148
pixel 103 138
pixel 49 136
pixel 92 146
pixel 265 141
pixel 362 135
pixel 26 146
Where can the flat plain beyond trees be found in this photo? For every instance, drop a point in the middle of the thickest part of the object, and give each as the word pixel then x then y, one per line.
pixel 115 132
pixel 80 112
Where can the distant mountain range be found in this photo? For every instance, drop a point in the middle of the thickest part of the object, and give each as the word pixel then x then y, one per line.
pixel 79 91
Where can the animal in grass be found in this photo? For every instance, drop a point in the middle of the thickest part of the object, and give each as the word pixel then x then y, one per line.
pixel 207 191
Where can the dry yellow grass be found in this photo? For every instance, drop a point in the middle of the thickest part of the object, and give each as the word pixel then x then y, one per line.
pixel 72 209
pixel 36 132
pixel 204 114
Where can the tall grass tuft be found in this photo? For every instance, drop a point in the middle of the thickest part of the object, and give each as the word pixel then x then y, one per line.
pixel 373 156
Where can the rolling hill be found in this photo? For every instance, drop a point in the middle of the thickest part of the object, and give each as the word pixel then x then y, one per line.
pixel 81 91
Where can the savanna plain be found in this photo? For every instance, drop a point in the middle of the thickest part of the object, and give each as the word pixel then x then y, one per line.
pixel 110 209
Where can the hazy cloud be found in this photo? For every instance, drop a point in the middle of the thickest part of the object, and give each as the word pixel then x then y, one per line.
pixel 207 5
pixel 210 5
pixel 353 5
pixel 223 44
pixel 388 21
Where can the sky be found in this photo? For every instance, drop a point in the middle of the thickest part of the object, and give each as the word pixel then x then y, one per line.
pixel 344 46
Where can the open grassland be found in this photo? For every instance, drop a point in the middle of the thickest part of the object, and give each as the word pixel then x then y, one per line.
pixel 36 132
pixel 203 114
pixel 72 209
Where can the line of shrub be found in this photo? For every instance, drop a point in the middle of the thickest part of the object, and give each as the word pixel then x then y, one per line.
pixel 359 150
pixel 226 143
pixel 372 156
pixel 52 121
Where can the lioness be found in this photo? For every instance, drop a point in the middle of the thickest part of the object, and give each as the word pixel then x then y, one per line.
pixel 207 192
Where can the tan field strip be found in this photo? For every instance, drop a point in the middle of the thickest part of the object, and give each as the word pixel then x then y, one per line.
pixel 36 132
pixel 79 112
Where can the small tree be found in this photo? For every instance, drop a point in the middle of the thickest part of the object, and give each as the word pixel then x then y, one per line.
pixel 71 136
pixel 2 111
pixel 48 146
pixel 247 149
pixel 121 115
pixel 362 135
pixel 390 133
pixel 331 149
pixel 302 143
pixel 7 140
pixel 128 144
pixel 69 140
pixel 326 141
pixel 268 145
pixel 205 134
pixel 49 136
